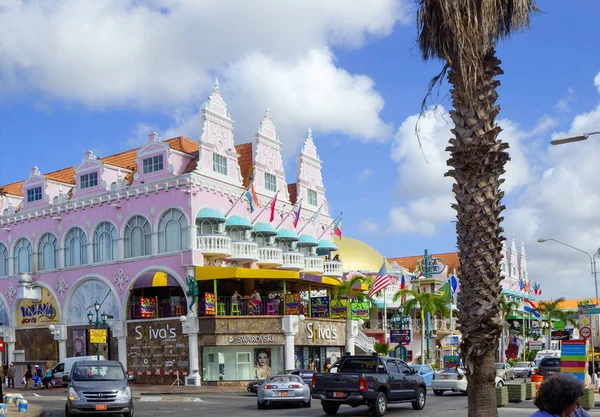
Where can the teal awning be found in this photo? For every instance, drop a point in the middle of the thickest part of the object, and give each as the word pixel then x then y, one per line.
pixel 210 213
pixel 287 234
pixel 238 221
pixel 326 246
pixel 308 240
pixel 265 228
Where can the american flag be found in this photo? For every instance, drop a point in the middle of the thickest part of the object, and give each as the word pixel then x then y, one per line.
pixel 381 281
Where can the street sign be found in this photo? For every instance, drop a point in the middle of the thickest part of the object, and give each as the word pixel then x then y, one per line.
pixel 400 336
pixel 535 345
pixel 585 332
pixel 584 321
pixel 594 310
pixel 97 335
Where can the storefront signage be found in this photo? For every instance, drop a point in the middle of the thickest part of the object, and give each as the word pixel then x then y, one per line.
pixel 210 308
pixel 400 336
pixel 319 306
pixel 97 335
pixel 359 311
pixel 451 361
pixel 535 345
pixel 38 313
pixel 292 303
pixel 573 357
pixel 148 307
pixel 561 335
pixel 321 332
pixel 157 346
pixel 247 339
pixel 338 309
pixel 318 331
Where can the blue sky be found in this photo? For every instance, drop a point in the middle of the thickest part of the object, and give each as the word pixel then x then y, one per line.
pixel 77 76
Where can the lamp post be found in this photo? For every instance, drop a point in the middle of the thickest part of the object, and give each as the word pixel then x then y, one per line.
pixel 570 139
pixel 98 323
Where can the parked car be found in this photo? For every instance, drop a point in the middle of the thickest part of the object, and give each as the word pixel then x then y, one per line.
pixel 63 367
pixel 283 389
pixel 98 387
pixel 425 371
pixel 253 386
pixel 454 380
pixel 505 371
pixel 549 366
pixel 305 374
pixel 369 380
pixel 524 369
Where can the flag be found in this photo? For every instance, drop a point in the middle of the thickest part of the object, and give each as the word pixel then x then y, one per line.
pixel 381 281
pixel 317 219
pixel 402 282
pixel 445 291
pixel 453 283
pixel 273 204
pixel 521 284
pixel 529 307
pixel 297 219
pixel 337 228
pixel 252 198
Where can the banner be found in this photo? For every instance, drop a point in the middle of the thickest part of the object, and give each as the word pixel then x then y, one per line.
pixel 148 307
pixel 210 307
pixel 338 309
pixel 37 313
pixel 79 345
pixel 573 358
pixel 292 304
pixel 450 361
pixel 319 307
pixel 97 335
pixel 359 311
pixel 400 336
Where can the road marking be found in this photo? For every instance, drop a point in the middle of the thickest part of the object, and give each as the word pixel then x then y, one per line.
pixel 171 399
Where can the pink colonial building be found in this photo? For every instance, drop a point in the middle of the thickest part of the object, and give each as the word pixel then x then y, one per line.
pixel 159 241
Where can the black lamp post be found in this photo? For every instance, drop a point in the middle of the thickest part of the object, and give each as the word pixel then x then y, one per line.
pixel 99 323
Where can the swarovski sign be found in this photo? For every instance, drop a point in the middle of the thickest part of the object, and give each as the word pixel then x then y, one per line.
pixel 252 339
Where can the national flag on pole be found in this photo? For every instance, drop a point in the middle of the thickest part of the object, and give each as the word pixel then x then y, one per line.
pixel 453 283
pixel 529 307
pixel 445 291
pixel 317 219
pixel 337 228
pixel 382 280
pixel 252 198
pixel 402 282
pixel 297 219
pixel 273 204
pixel 521 284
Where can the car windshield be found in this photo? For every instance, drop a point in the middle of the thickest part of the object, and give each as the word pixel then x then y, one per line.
pixel 98 373
pixel 360 365
pixel 499 366
pixel 284 379
pixel 522 365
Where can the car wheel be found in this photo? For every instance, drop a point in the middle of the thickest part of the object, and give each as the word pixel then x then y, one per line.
pixel 67 412
pixel 379 405
pixel 419 403
pixel 307 404
pixel 330 408
pixel 438 392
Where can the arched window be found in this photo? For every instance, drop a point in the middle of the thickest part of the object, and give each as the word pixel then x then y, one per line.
pixel 23 256
pixel 3 260
pixel 106 239
pixel 237 234
pixel 76 248
pixel 208 227
pixel 172 234
pixel 47 252
pixel 138 237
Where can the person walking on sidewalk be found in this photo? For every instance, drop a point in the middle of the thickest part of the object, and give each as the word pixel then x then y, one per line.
pixel 28 375
pixel 10 375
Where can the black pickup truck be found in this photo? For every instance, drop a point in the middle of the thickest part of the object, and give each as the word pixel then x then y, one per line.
pixel 369 380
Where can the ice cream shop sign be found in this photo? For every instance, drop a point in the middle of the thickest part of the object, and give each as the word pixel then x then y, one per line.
pixel 37 313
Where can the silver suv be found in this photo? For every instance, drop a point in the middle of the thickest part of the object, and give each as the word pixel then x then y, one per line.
pixel 98 387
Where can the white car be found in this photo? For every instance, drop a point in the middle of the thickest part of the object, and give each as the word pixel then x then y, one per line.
pixel 455 380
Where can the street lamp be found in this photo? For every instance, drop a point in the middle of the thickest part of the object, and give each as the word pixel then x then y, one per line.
pixel 570 139
pixel 98 323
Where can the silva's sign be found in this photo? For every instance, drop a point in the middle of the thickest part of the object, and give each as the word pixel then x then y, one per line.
pixel 38 313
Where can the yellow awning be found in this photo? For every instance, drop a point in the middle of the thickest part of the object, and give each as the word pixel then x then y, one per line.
pixel 205 273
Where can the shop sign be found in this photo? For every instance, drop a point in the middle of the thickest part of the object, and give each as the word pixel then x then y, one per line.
pixel 561 335
pixel 247 339
pixel 451 361
pixel 292 304
pixel 326 332
pixel 97 335
pixel 148 307
pixel 38 313
pixel 535 345
pixel 400 336
pixel 210 307
pixel 338 309
pixel 157 346
pixel 359 311
pixel 319 306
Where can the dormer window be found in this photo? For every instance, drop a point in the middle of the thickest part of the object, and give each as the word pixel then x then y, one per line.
pixel 312 197
pixel 88 180
pixel 34 194
pixel 219 164
pixel 270 182
pixel 153 164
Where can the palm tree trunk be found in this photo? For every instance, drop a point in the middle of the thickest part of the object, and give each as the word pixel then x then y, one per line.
pixel 478 160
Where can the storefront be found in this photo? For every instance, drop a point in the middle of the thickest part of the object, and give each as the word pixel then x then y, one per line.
pixel 321 340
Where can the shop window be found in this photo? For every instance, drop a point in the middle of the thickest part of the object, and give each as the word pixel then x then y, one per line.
pixel 23 257
pixel 138 237
pixel 3 260
pixel 106 241
pixel 47 252
pixel 238 363
pixel 76 248
pixel 171 232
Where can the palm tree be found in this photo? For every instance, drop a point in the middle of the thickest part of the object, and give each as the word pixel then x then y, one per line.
pixel 428 303
pixel 507 307
pixel 348 290
pixel 463 34
pixel 550 310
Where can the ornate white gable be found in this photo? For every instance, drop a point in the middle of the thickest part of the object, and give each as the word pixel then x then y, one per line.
pixel 308 174
pixel 89 163
pixel 154 146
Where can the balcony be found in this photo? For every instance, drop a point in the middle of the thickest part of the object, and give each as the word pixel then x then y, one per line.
pixel 244 251
pixel 292 261
pixel 269 256
pixel 214 245
pixel 313 264
pixel 332 269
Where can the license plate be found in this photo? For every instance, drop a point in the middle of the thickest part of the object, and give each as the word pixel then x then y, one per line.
pixel 283 393
pixel 338 394
pixel 445 376
pixel 100 407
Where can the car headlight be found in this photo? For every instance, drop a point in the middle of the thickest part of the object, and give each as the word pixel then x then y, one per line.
pixel 126 394
pixel 73 395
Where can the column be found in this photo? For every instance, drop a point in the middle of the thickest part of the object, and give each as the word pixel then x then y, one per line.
pixel 350 336
pixel 119 330
pixel 190 327
pixel 290 326
pixel 9 342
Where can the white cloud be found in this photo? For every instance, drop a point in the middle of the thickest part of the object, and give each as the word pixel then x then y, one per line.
pixel 365 175
pixel 164 54
pixel 564 104
pixel 368 226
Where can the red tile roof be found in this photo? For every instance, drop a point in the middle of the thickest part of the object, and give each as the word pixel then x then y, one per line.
pixel 410 262
pixel 245 161
pixel 293 191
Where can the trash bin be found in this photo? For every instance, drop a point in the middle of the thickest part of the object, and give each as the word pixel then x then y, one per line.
pixel 22 406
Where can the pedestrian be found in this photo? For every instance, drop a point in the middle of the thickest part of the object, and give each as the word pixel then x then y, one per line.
pixel 28 375
pixel 10 383
pixel 559 396
pixel 311 364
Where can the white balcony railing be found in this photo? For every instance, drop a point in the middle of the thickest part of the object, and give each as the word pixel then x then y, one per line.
pixel 332 268
pixel 214 245
pixel 270 256
pixel 292 260
pixel 244 251
pixel 313 264
pixel 364 342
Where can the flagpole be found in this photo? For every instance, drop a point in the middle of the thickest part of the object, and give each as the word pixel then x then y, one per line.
pixel 331 224
pixel 385 329
pixel 264 208
pixel 309 220
pixel 288 214
pixel 238 200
